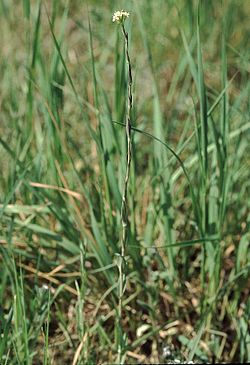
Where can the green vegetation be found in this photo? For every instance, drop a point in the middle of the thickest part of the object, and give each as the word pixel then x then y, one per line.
pixel 179 288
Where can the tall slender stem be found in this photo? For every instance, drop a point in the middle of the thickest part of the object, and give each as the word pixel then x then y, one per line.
pixel 124 205
pixel 124 208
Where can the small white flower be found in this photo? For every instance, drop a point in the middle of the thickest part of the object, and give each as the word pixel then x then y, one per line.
pixel 119 16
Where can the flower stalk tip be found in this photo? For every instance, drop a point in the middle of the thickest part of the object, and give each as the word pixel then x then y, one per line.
pixel 120 16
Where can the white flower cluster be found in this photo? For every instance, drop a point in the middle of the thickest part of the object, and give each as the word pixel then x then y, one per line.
pixel 120 16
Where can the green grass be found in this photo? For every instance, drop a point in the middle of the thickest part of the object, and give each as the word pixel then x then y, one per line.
pixel 63 148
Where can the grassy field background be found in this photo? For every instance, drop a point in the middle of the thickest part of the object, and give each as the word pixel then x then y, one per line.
pixel 63 100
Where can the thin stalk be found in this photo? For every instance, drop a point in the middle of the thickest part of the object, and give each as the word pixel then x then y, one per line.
pixel 124 209
pixel 124 204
